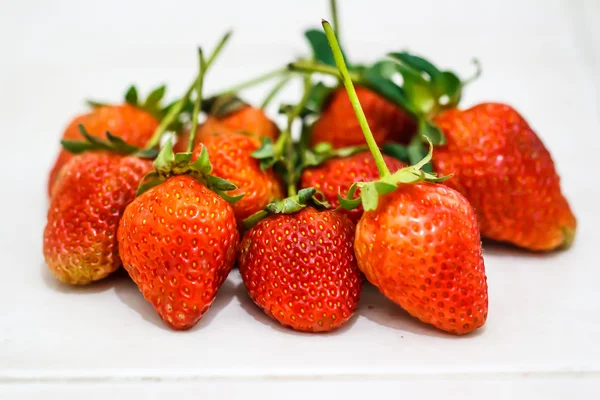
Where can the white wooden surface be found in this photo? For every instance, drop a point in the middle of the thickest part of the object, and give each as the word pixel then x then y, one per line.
pixel 541 337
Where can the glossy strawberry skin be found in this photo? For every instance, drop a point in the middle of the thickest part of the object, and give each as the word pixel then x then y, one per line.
pixel 178 242
pixel 338 174
pixel 338 124
pixel 421 248
pixel 301 270
pixel 504 170
pixel 231 157
pixel 133 125
pixel 249 120
pixel 90 195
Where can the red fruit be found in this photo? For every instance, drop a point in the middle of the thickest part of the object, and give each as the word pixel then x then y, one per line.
pixel 504 170
pixel 90 195
pixel 421 248
pixel 340 173
pixel 338 124
pixel 132 124
pixel 248 119
pixel 231 156
pixel 300 269
pixel 178 241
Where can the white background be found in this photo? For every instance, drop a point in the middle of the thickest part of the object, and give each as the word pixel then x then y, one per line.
pixel 541 339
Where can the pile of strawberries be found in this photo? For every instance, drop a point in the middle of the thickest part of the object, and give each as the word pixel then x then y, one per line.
pixel 390 182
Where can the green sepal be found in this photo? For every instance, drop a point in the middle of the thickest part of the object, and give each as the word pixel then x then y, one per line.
pixel 378 78
pixel 169 164
pixel 149 180
pixel 289 205
pixel 112 144
pixel 155 97
pixel 324 151
pixel 131 96
pixel 349 202
pixel 96 104
pixel 430 132
pixel 266 153
pixel 317 98
pixel 417 63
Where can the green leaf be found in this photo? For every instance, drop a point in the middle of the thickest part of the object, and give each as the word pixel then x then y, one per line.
pixel 396 150
pixel 266 149
pixel 131 96
pixel 379 79
pixel 155 97
pixel 418 63
pixel 448 84
pixel 320 47
pixel 416 153
pixel 147 153
pixel 317 97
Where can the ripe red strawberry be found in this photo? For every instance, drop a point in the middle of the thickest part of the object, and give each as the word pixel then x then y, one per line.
pixel 338 174
pixel 421 248
pixel 337 124
pixel 503 168
pixel 418 242
pixel 247 119
pixel 133 125
pixel 178 242
pixel 90 195
pixel 300 269
pixel 231 156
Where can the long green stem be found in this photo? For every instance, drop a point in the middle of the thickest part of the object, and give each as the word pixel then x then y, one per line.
pixel 198 102
pixel 362 119
pixel 334 17
pixel 252 82
pixel 171 116
pixel 315 67
pixel 176 109
pixel 273 92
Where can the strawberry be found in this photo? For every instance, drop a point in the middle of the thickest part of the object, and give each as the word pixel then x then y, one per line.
pixel 507 174
pixel 233 161
pixel 421 248
pixel 231 115
pixel 337 124
pixel 132 124
pixel 177 242
pixel 499 163
pixel 90 195
pixel 179 237
pixel 300 269
pixel 338 174
pixel 418 242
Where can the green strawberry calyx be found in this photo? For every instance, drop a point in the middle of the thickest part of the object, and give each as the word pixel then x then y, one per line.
pixel 370 191
pixel 112 144
pixel 305 197
pixel 168 164
pixel 387 182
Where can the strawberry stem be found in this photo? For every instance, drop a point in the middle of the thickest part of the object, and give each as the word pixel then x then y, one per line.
pixel 252 82
pixel 362 119
pixel 273 92
pixel 316 67
pixel 199 84
pixel 334 17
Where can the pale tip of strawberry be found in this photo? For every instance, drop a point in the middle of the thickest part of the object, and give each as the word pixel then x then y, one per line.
pixel 568 237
